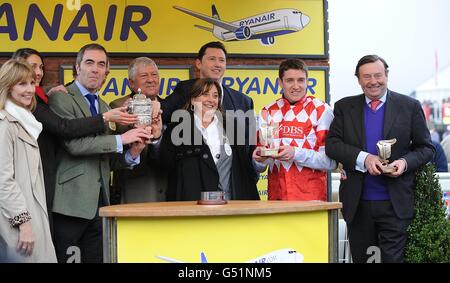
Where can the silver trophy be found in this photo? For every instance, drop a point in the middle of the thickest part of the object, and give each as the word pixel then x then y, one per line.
pixel 268 134
pixel 384 152
pixel 141 106
pixel 212 198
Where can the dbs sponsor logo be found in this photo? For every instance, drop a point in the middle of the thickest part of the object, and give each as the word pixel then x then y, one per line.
pixel 293 130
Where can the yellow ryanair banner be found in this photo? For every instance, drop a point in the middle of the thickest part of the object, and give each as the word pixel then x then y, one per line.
pixel 117 84
pixel 261 84
pixel 273 28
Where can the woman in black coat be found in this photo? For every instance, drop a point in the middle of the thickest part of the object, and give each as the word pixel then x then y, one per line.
pixel 55 127
pixel 193 150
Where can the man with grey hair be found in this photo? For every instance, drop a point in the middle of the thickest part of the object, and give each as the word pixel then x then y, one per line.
pixel 378 206
pixel 146 182
pixel 144 74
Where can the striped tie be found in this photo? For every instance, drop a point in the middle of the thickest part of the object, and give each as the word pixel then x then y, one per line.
pixel 374 104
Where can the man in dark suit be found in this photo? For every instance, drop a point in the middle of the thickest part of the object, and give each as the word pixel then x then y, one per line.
pixel 147 181
pixel 211 62
pixel 378 207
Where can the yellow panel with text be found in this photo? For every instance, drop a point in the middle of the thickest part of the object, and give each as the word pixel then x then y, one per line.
pixel 263 87
pixel 117 85
pixel 259 27
pixel 243 238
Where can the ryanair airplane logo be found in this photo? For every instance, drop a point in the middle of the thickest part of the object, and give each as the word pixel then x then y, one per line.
pixel 264 27
pixel 277 256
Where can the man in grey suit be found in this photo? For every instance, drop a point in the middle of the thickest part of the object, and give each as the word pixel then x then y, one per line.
pixel 82 177
pixel 147 181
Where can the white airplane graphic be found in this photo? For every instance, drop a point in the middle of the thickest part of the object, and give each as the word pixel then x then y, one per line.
pixel 263 26
pixel 278 256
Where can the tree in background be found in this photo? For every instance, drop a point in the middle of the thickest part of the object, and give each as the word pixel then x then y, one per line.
pixel 429 232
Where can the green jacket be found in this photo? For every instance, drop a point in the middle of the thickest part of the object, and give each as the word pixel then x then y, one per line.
pixel 84 164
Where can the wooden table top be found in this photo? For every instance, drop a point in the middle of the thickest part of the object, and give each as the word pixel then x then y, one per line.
pixel 191 208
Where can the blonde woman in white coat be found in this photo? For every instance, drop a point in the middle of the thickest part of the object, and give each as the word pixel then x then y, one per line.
pixel 24 222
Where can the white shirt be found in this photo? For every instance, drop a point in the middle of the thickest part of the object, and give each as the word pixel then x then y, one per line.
pixel 211 135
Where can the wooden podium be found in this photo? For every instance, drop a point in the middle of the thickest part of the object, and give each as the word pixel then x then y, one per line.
pixel 240 231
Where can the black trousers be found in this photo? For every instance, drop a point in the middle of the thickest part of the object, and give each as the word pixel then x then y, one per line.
pixel 376 233
pixel 78 239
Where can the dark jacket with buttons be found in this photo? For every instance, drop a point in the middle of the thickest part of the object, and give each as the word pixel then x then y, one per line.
pixel 192 168
pixel 403 120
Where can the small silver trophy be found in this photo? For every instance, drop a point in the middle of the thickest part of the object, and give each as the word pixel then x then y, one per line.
pixel 141 106
pixel 268 133
pixel 212 198
pixel 384 152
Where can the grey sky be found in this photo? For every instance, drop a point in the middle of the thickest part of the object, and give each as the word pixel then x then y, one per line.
pixel 406 33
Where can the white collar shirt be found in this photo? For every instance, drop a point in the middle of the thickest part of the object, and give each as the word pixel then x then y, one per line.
pixel 382 99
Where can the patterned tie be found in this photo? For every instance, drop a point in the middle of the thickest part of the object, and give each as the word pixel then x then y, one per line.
pixel 92 98
pixel 374 104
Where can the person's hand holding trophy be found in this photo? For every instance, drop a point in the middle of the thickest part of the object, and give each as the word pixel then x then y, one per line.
pixel 142 107
pixel 268 133
pixel 384 148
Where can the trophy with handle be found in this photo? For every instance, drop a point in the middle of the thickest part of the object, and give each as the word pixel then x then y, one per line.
pixel 141 106
pixel 384 148
pixel 267 134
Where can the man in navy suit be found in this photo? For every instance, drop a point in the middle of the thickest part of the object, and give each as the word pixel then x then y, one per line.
pixel 211 62
pixel 377 207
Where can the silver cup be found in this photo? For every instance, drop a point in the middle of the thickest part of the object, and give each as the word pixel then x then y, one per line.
pixel 268 134
pixel 384 148
pixel 141 106
pixel 212 198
